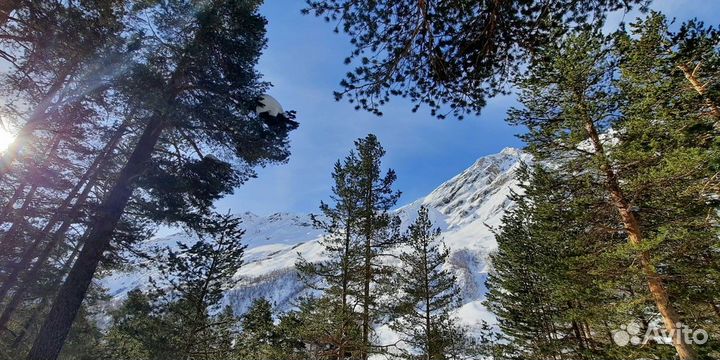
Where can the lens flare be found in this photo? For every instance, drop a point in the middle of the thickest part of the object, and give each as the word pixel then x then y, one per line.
pixel 6 138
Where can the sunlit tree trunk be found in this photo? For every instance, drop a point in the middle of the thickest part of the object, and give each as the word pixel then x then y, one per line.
pixel 701 89
pixel 657 288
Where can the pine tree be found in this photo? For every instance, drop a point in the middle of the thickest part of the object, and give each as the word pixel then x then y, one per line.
pixel 136 332
pixel 358 228
pixel 569 101
pixel 259 339
pixel 428 293
pixel 491 343
pixel 177 93
pixel 290 345
pixel 668 131
pixel 50 237
pixel 338 277
pixel 182 317
pixel 545 286
pixel 517 293
pixel 196 277
pixel 377 228
pixel 62 57
pixel 324 330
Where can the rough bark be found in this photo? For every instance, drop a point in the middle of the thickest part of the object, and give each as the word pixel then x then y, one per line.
pixel 632 228
pixel 578 336
pixel 67 302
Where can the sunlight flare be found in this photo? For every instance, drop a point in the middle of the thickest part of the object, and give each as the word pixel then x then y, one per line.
pixel 6 138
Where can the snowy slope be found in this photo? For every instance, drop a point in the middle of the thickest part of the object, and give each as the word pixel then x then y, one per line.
pixel 463 207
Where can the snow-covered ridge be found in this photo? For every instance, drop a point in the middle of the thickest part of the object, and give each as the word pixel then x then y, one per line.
pixel 463 207
pixel 479 191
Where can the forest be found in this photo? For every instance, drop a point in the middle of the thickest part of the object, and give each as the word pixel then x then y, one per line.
pixel 121 118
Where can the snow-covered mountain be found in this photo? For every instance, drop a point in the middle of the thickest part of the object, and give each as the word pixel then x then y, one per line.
pixel 464 207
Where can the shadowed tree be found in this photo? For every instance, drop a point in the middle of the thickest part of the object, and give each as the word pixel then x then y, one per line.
pixel 203 89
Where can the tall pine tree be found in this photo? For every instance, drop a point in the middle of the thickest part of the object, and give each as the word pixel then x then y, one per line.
pixel 197 88
pixel 378 229
pixel 570 104
pixel 359 227
pixel 427 294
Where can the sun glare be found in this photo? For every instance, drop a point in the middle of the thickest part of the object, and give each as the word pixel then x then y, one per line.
pixel 6 138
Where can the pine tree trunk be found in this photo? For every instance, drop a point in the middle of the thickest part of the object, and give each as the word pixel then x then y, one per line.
pixel 67 303
pixel 578 331
pixel 691 76
pixel 632 228
pixel 426 285
pixel 556 340
pixel 345 285
pixel 366 301
pixel 579 338
pixel 369 212
pixel 589 335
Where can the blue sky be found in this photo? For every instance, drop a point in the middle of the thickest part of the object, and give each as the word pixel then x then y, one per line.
pixel 304 61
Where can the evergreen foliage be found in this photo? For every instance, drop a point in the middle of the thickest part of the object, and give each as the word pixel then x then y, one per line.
pixel 627 141
pixel 359 227
pixel 428 293
pixel 447 52
pixel 259 339
pixel 181 317
pixel 131 115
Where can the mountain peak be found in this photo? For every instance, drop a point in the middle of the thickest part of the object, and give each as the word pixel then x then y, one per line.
pixel 465 197
pixel 511 151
